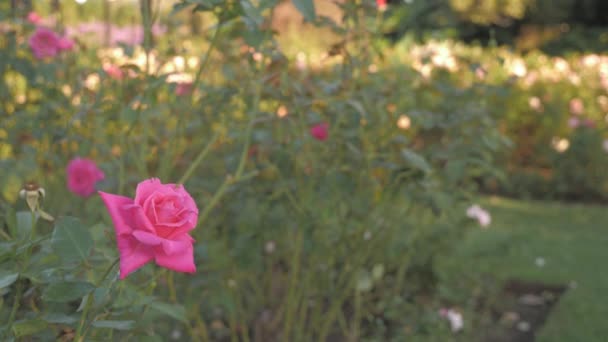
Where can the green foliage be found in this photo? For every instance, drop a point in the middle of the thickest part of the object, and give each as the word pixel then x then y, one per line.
pixel 298 239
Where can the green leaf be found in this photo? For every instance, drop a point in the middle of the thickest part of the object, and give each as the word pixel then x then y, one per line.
pixel 176 311
pixel 416 160
pixel 117 325
pixel 70 240
pixel 306 8
pixel 67 291
pixel 6 279
pixel 59 318
pixel 25 328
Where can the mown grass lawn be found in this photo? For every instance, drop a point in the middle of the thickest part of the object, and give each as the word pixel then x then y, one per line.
pixel 572 240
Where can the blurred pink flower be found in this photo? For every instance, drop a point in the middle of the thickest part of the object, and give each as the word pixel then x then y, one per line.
pixel 34 18
pixel 183 88
pixel 113 71
pixel 320 131
pixel 589 123
pixel 155 225
pixel 65 44
pixel 576 106
pixel 574 122
pixel 44 43
pixel 381 4
pixel 82 175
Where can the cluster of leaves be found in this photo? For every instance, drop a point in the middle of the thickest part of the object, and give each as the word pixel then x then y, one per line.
pixel 304 239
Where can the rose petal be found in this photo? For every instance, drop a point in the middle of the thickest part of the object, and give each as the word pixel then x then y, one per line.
pixel 145 189
pixel 133 254
pixel 171 247
pixel 139 218
pixel 180 262
pixel 123 224
pixel 147 238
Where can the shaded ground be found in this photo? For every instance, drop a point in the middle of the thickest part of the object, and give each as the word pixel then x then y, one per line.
pixel 549 243
pixel 522 313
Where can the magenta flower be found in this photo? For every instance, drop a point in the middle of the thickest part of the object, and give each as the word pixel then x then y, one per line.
pixel 83 174
pixel 46 43
pixel 154 226
pixel 320 131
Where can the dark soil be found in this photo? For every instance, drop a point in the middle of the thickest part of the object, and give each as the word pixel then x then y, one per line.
pixel 521 311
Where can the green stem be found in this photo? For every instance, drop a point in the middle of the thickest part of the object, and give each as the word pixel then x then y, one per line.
pixel 229 180
pixel 198 160
pixel 207 56
pixel 87 306
pixel 19 293
pixel 292 304
pixel 171 286
pixel 356 316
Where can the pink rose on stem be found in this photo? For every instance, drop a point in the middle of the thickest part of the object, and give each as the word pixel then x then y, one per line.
pixel 320 131
pixel 83 174
pixel 155 225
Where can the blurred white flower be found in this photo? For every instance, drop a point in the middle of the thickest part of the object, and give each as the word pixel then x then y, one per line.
pixel 482 216
pixel 605 145
pixel 535 103
pixel 560 144
pixel 404 122
pixel 454 317
pixel 270 247
pixel 591 60
pixel 518 68
pixel 301 61
pixel 540 262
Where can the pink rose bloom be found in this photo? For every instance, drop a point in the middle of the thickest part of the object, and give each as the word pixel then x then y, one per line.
pixel 44 43
pixel 183 88
pixel 155 225
pixel 320 131
pixel 113 71
pixel 34 18
pixel 381 4
pixel 83 174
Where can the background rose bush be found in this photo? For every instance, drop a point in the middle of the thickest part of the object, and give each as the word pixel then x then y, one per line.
pixel 323 211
